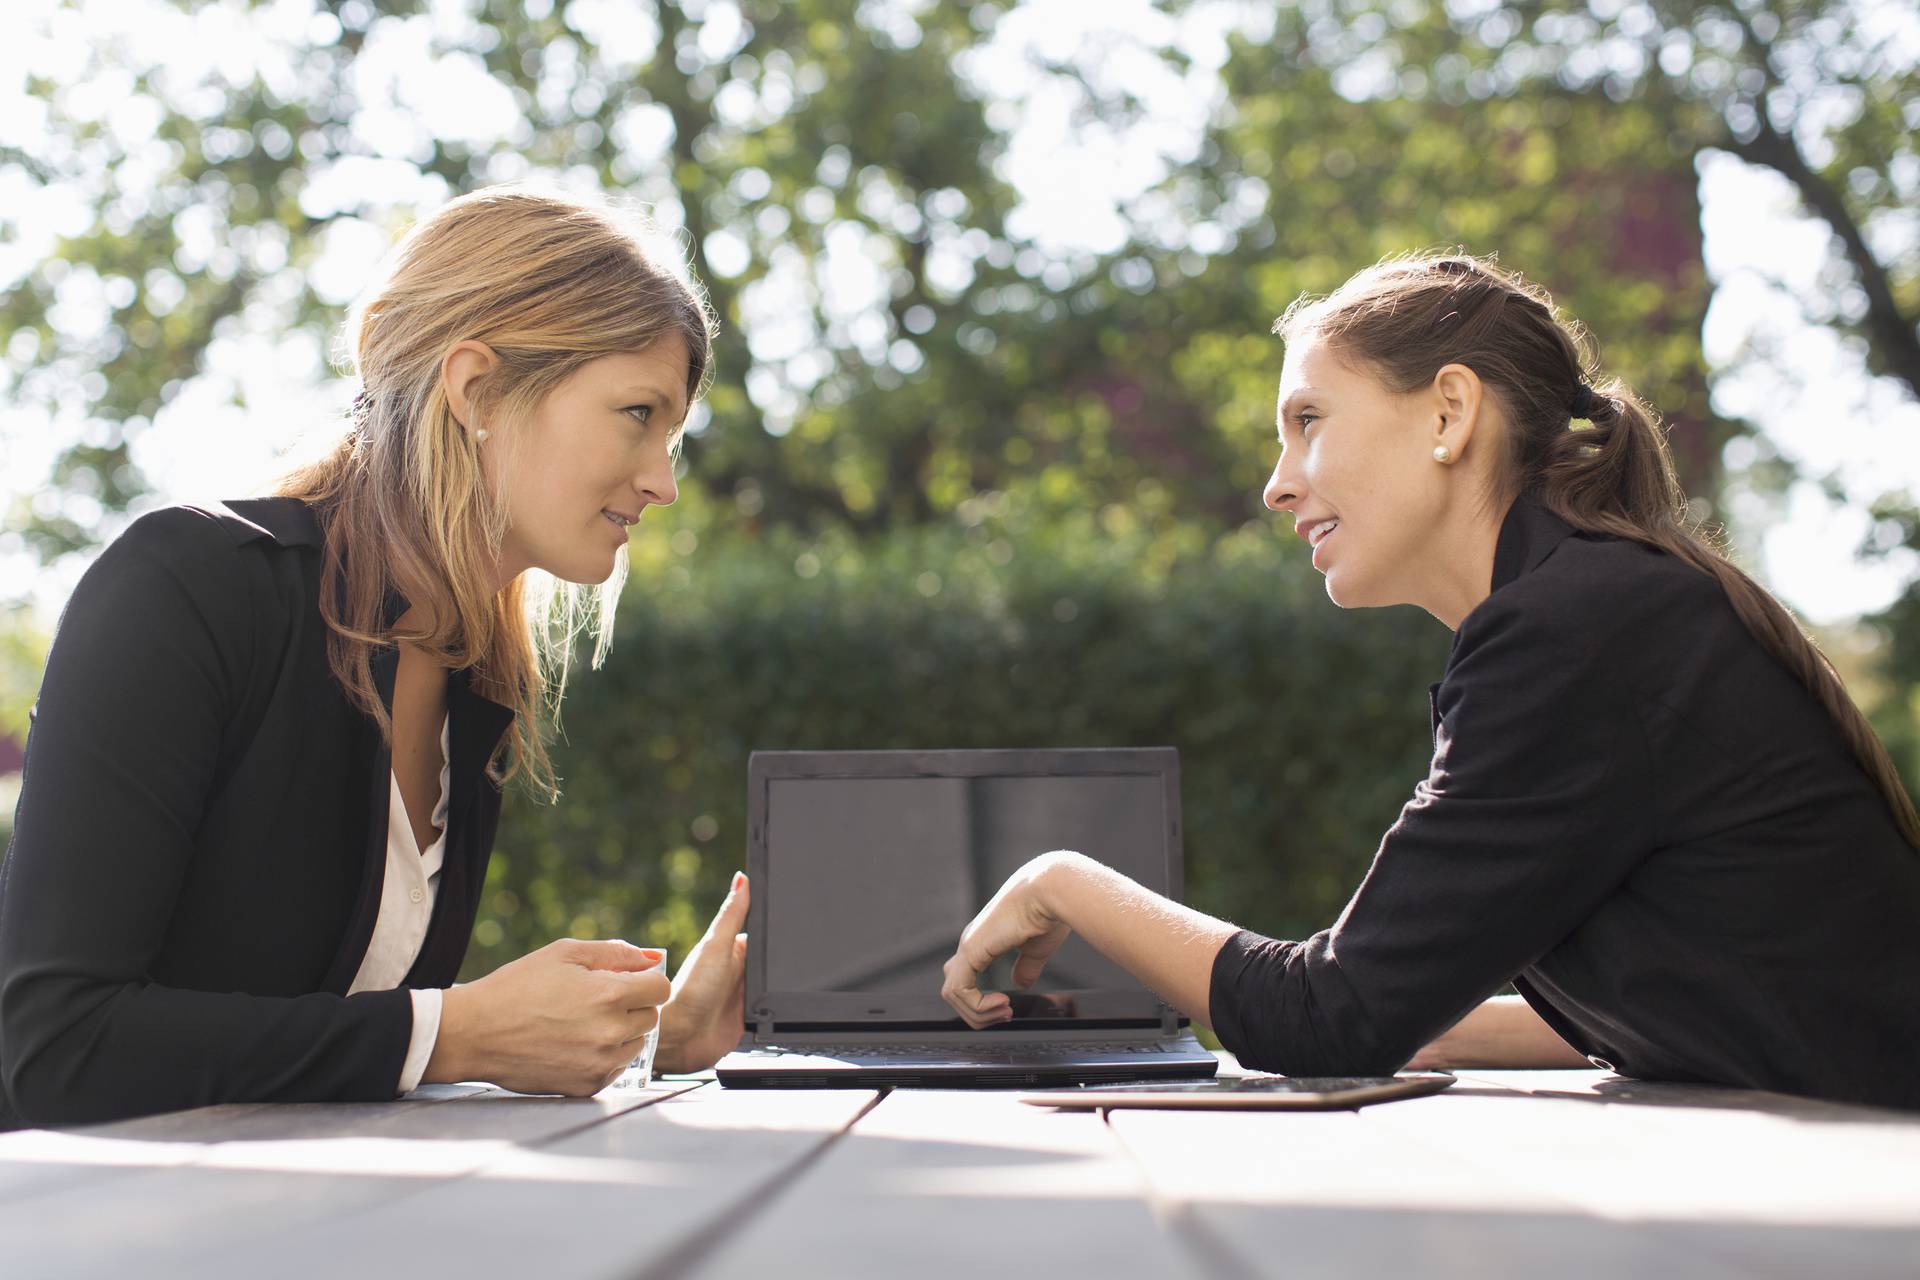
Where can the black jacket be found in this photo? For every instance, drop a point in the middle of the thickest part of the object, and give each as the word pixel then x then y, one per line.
pixel 200 844
pixel 1642 820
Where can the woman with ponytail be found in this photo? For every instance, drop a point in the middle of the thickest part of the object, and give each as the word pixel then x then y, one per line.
pixel 265 769
pixel 1652 806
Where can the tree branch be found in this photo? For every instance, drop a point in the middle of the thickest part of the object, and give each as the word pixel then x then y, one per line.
pixel 1894 337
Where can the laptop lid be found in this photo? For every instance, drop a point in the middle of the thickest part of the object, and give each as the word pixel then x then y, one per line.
pixel 866 865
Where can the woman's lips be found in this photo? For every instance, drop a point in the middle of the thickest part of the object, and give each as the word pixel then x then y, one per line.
pixel 1321 545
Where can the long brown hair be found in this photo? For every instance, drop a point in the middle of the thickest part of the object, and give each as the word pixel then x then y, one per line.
pixel 1408 316
pixel 549 283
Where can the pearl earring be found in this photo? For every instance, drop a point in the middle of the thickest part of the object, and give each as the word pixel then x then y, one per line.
pixel 1442 454
pixel 480 436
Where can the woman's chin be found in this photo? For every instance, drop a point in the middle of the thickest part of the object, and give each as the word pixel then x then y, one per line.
pixel 588 570
pixel 1347 593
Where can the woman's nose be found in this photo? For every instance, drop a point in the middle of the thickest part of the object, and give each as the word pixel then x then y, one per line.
pixel 655 482
pixel 1281 491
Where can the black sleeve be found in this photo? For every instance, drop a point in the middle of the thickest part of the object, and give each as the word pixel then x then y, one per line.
pixel 1538 805
pixel 146 670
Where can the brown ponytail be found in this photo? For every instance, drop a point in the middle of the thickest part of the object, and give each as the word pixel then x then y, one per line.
pixel 1409 316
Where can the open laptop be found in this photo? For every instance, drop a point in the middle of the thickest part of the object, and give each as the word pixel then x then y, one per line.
pixel 866 865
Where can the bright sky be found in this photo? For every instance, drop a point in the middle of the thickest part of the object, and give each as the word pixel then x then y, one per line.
pixel 1811 398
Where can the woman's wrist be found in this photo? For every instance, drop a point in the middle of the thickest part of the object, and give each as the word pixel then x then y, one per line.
pixel 449 1062
pixel 1057 882
pixel 669 1055
pixel 1169 947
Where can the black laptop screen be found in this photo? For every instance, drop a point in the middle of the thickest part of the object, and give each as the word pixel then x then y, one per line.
pixel 869 881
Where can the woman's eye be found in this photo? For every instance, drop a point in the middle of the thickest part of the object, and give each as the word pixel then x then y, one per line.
pixel 641 412
pixel 1306 420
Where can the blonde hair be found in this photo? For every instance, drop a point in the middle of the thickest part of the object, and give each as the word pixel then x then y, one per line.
pixel 1408 316
pixel 548 282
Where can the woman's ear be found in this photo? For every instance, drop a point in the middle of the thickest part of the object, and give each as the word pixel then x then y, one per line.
pixel 1460 394
pixel 465 364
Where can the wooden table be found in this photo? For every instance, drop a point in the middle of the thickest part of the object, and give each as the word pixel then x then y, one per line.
pixel 1568 1173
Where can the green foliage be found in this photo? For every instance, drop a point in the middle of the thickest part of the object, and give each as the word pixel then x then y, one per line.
pixel 23 655
pixel 1896 715
pixel 781 134
pixel 1033 431
pixel 1302 728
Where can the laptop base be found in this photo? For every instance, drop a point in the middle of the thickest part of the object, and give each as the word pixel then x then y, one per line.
pixel 942 1067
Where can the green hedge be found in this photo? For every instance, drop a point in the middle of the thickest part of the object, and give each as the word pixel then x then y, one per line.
pixel 1302 727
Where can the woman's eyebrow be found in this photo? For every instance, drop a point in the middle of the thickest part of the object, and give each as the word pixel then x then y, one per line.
pixel 1291 405
pixel 648 391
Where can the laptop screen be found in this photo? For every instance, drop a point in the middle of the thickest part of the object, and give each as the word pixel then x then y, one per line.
pixel 868 879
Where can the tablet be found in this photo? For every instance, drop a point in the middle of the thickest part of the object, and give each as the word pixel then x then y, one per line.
pixel 1247 1093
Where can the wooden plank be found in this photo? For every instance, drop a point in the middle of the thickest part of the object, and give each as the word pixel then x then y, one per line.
pixel 37 1161
pixel 933 1184
pixel 1335 1194
pixel 614 1200
pixel 1771 1184
pixel 261 1169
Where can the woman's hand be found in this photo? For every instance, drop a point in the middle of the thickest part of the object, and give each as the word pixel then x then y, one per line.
pixel 566 1019
pixel 702 1022
pixel 1019 916
pixel 1168 947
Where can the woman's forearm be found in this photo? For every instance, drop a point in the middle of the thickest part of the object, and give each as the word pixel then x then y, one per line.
pixel 1501 1032
pixel 1167 946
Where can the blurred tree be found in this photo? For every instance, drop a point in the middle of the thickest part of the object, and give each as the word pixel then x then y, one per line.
pixel 788 141
pixel 906 383
pixel 888 347
pixel 1602 107
pixel 1825 93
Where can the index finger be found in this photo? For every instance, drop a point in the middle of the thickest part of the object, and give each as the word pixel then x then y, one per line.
pixel 638 988
pixel 961 989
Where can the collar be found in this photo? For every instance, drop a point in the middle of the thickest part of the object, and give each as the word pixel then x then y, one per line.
pixel 1528 536
pixel 1529 533
pixel 477 721
pixel 289 522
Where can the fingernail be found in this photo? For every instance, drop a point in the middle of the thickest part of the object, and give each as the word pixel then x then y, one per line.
pixel 739 878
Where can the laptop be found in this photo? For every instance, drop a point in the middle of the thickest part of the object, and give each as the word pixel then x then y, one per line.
pixel 866 865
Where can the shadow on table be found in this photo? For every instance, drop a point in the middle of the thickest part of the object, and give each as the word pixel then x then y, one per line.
pixel 1277 1239
pixel 1708 1097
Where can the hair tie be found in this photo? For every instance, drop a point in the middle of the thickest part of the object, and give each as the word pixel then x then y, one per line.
pixel 1586 402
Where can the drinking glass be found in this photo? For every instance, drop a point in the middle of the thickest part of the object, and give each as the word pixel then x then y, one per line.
pixel 640 1074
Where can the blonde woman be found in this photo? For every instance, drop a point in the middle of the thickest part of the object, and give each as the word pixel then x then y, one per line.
pixel 265 769
pixel 1652 806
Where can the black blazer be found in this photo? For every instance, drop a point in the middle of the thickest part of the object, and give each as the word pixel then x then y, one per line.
pixel 1642 820
pixel 200 844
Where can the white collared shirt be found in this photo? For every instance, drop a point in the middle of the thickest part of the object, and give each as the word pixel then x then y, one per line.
pixel 407 892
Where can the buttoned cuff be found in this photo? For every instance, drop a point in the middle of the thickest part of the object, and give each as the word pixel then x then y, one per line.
pixel 426 1031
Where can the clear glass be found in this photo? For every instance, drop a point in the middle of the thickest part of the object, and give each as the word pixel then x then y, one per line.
pixel 639 1075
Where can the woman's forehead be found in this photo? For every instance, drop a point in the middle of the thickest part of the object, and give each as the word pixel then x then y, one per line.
pixel 1311 366
pixel 664 360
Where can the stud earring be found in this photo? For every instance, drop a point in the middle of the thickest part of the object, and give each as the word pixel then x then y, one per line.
pixel 1442 454
pixel 480 436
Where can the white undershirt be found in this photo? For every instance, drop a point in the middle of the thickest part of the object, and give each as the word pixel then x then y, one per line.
pixel 407 893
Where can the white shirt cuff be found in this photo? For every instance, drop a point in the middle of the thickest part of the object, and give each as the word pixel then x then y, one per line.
pixel 426 1030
